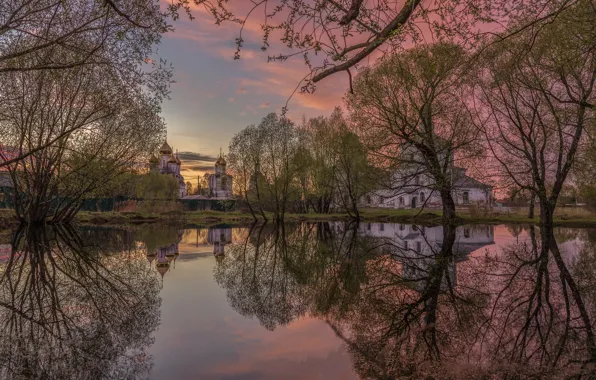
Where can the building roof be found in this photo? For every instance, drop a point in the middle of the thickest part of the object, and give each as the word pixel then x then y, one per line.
pixel 469 182
pixel 172 159
pixel 165 148
pixel 464 181
pixel 221 160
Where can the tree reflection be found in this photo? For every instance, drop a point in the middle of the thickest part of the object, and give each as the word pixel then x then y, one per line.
pixel 73 311
pixel 257 279
pixel 410 302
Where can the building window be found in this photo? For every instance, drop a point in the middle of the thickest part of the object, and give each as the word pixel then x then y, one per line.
pixel 466 197
pixel 422 198
pixel 417 180
pixel 401 201
pixel 402 227
pixel 381 200
pixel 368 226
pixel 368 200
pixel 382 226
pixel 406 245
pixel 418 246
pixel 466 232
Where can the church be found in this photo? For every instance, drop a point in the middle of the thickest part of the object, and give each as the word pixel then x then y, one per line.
pixel 169 164
pixel 220 183
pixel 413 187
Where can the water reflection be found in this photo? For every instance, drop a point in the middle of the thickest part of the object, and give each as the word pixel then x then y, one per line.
pixel 71 310
pixel 411 301
pixel 404 301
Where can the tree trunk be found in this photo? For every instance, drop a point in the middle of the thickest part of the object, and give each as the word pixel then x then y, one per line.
pixel 531 207
pixel 547 210
pixel 252 212
pixel 448 207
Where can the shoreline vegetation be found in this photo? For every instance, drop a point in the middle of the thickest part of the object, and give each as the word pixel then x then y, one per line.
pixel 563 218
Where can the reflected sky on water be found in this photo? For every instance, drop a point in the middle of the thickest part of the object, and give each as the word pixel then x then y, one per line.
pixel 298 301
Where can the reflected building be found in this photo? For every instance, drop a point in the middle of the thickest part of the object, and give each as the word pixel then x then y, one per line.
pixel 417 247
pixel 219 237
pixel 165 255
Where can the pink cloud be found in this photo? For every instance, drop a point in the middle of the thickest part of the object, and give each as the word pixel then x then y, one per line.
pixel 254 74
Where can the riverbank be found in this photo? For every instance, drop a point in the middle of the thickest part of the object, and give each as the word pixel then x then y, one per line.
pixel 563 218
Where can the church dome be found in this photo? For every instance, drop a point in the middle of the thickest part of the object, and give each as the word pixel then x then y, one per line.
pixel 165 149
pixel 162 270
pixel 172 159
pixel 221 160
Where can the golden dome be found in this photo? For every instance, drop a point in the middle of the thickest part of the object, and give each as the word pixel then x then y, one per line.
pixel 221 160
pixel 165 149
pixel 162 270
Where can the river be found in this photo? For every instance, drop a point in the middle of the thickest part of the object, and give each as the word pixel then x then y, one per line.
pixel 297 301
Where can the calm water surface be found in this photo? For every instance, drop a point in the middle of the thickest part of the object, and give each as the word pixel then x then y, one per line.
pixel 299 301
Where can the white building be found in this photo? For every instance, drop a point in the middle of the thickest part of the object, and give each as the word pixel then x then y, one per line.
pixel 220 183
pixel 412 187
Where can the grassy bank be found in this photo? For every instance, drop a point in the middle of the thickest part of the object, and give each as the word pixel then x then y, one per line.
pixel 563 217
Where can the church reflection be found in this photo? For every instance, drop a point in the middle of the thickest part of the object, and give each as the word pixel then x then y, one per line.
pixel 416 248
pixel 219 237
pixel 165 255
pixel 167 252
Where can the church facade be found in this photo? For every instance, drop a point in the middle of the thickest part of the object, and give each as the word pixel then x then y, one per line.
pixel 220 183
pixel 169 164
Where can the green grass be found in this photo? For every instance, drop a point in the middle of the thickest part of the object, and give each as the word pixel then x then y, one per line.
pixel 563 217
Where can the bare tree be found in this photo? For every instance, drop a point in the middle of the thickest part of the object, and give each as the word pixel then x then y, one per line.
pixel 334 36
pixel 354 175
pixel 93 126
pixel 317 179
pixel 410 111
pixel 113 36
pixel 279 148
pixel 536 97
pixel 243 158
